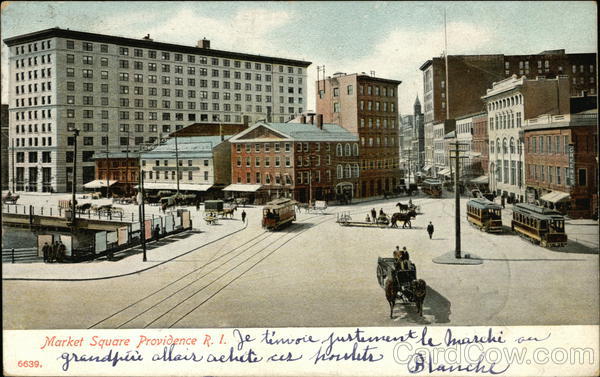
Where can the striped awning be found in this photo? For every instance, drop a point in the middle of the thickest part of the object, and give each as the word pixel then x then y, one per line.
pixel 238 187
pixel 444 172
pixel 481 179
pixel 98 183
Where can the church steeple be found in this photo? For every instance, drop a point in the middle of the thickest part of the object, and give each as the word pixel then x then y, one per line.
pixel 417 106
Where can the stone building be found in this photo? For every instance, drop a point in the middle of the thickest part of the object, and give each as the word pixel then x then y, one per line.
pixel 5 146
pixel 508 103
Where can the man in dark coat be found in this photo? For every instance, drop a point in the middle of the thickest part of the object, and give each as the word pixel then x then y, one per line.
pixel 46 251
pixel 430 229
pixel 243 216
pixel 53 252
pixel 62 252
pixel 373 214
pixel 156 232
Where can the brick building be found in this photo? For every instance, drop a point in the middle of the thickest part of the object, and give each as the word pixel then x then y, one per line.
pixel 294 160
pixel 561 162
pixel 123 173
pixel 508 103
pixel 366 106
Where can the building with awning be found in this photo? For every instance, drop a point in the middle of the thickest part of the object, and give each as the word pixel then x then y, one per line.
pixel 481 180
pixel 555 196
pixel 194 164
pixel 240 187
pixel 444 172
pixel 98 183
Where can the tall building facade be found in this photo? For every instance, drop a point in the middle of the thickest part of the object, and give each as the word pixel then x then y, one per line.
pixel 5 138
pixel 469 76
pixel 418 138
pixel 367 106
pixel 125 93
pixel 509 102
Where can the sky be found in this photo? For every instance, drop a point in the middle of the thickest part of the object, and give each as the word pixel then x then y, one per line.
pixel 391 38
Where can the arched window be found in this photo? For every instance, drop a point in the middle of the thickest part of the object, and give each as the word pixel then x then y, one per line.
pixel 347 150
pixel 492 147
pixel 519 147
pixel 504 146
pixel 512 145
pixel 340 172
pixel 356 149
pixel 356 171
pixel 512 101
pixel 347 171
pixel 338 150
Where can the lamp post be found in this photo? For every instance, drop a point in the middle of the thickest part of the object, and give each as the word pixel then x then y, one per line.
pixel 74 180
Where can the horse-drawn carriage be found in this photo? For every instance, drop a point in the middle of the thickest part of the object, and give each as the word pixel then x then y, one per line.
pixel 345 219
pixel 9 198
pixel 401 283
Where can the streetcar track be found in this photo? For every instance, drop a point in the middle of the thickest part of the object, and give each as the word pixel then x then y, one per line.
pixel 269 234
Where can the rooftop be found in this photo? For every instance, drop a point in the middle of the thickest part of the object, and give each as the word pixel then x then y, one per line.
pixel 198 146
pixel 305 132
pixel 145 43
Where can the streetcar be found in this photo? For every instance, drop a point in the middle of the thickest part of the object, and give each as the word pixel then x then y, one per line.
pixel 539 225
pixel 432 187
pixel 278 213
pixel 485 215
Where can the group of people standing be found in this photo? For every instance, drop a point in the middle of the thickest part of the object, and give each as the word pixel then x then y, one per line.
pixel 55 252
pixel 402 258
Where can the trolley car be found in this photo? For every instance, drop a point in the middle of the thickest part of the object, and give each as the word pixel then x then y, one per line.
pixel 540 225
pixel 484 214
pixel 432 187
pixel 278 213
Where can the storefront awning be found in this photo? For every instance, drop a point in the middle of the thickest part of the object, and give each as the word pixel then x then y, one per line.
pixel 242 187
pixel 98 183
pixel 426 167
pixel 173 186
pixel 444 172
pixel 473 154
pixel 555 196
pixel 480 180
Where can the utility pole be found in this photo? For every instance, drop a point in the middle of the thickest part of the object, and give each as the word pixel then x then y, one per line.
pixel 456 151
pixel 74 180
pixel 142 214
pixel 177 163
pixel 127 163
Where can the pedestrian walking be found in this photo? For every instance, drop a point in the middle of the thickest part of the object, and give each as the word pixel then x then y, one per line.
pixel 503 202
pixel 373 214
pixel 430 229
pixel 197 205
pixel 243 216
pixel 46 251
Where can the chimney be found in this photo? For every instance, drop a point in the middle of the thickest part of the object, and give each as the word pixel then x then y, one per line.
pixel 320 121
pixel 303 119
pixel 221 132
pixel 205 43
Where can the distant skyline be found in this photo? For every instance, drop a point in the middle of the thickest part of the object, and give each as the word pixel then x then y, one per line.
pixel 391 38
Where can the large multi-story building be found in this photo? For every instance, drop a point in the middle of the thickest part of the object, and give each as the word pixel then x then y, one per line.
pixel 508 103
pixel 561 162
pixel 300 160
pixel 411 141
pixel 120 91
pixel 367 106
pixel 469 76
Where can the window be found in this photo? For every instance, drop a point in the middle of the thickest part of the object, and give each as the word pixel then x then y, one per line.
pixel 582 177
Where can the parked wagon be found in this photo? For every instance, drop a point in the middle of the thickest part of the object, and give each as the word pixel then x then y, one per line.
pixel 278 213
pixel 345 219
pixel 9 198
pixel 400 281
pixel 539 225
pixel 214 207
pixel 484 214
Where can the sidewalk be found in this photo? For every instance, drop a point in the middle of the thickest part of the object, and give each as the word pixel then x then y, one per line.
pixel 128 261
